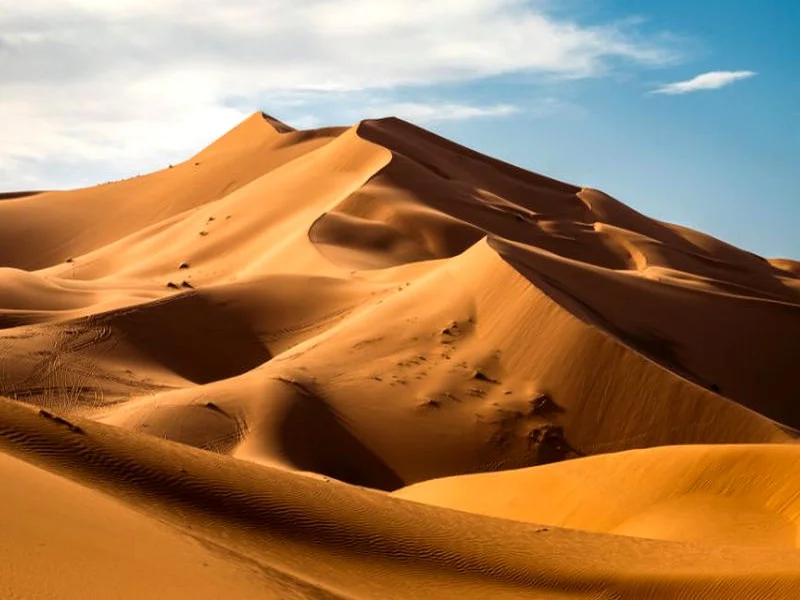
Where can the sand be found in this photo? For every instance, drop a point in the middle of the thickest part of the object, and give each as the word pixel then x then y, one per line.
pixel 367 362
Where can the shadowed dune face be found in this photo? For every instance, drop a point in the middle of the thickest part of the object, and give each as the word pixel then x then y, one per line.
pixel 693 332
pixel 314 437
pixel 190 336
pixel 242 341
pixel 12 195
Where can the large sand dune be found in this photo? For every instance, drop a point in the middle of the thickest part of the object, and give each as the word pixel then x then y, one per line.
pixel 368 362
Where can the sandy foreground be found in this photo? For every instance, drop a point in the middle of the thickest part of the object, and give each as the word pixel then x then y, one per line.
pixel 367 362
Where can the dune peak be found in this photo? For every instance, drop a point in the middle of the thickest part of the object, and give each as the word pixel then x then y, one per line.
pixel 279 126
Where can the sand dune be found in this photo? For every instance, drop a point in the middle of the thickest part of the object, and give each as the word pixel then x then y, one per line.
pixel 744 495
pixel 256 345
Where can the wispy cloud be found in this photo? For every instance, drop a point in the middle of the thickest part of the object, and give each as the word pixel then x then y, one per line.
pixel 707 81
pixel 421 112
pixel 133 83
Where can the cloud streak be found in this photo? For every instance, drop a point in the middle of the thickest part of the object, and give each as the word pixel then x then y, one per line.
pixel 712 80
pixel 420 112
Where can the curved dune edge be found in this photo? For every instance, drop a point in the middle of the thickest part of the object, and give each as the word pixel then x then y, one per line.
pixel 791 267
pixel 336 538
pixel 715 494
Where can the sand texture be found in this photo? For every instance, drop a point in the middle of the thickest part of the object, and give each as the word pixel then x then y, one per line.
pixel 367 362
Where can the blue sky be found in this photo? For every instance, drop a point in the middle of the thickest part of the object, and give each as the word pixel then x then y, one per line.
pixel 723 161
pixel 92 91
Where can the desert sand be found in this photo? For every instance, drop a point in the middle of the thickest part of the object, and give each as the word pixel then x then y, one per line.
pixel 367 362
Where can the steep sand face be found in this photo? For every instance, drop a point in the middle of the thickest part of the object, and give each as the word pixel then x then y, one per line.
pixel 311 313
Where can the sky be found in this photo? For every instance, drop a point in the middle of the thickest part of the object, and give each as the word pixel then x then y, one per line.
pixel 687 111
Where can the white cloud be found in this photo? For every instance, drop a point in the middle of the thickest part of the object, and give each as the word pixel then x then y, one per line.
pixel 707 81
pixel 115 86
pixel 420 112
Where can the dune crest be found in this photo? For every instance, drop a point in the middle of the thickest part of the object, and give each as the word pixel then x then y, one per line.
pixel 360 362
pixel 716 494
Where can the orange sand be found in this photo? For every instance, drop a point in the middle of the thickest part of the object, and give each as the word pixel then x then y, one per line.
pixel 367 362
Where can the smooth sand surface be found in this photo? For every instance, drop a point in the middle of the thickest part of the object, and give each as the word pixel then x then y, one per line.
pixel 367 362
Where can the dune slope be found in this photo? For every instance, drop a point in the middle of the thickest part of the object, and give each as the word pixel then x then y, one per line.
pixel 256 345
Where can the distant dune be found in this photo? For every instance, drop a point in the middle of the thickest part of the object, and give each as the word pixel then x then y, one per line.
pixel 368 362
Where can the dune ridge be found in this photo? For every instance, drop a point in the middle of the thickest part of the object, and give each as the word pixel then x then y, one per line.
pixel 318 354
